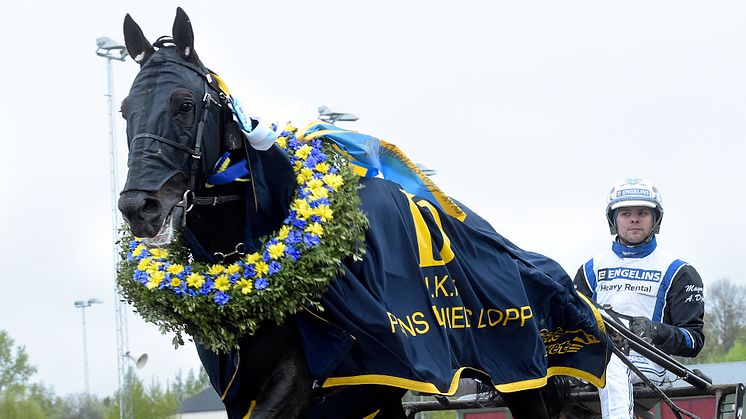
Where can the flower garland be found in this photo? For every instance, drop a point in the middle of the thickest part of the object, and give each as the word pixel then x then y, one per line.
pixel 218 304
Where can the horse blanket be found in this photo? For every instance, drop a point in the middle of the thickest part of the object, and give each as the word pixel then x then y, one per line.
pixel 439 291
pixel 438 294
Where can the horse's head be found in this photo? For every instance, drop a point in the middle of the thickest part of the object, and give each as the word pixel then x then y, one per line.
pixel 176 116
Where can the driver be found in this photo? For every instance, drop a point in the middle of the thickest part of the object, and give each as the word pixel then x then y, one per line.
pixel 661 295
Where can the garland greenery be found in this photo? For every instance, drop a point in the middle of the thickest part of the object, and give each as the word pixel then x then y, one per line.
pixel 218 304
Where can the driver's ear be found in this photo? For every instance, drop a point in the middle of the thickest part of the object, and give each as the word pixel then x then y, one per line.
pixel 138 47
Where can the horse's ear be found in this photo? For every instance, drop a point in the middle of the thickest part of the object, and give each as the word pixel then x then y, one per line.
pixel 138 46
pixel 183 34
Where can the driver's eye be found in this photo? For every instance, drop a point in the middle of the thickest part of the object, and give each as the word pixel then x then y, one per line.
pixel 186 107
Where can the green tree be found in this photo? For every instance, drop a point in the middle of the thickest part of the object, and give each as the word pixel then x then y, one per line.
pixel 15 369
pixel 15 405
pixel 724 323
pixel 77 406
pixel 185 387
pixel 152 402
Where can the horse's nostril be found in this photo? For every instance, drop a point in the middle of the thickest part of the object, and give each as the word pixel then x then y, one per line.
pixel 151 206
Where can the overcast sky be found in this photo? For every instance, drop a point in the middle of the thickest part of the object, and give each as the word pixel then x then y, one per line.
pixel 529 112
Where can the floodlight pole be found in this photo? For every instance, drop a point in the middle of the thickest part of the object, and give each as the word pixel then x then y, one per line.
pixel 82 305
pixel 111 50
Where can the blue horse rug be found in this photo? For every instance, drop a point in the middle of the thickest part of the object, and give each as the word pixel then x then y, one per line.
pixel 440 292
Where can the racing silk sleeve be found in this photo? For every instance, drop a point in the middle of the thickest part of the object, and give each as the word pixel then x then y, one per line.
pixel 581 283
pixel 682 331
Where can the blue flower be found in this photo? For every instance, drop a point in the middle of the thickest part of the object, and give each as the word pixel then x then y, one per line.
pixel 315 219
pixel 311 161
pixel 294 236
pixel 133 244
pixel 321 201
pixel 311 240
pixel 291 251
pixel 250 271
pixel 274 267
pixel 261 283
pixel 292 214
pixel 206 287
pixel 293 142
pixel 221 298
pixel 300 223
pixel 304 193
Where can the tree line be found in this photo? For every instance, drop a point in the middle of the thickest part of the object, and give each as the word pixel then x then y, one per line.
pixel 20 398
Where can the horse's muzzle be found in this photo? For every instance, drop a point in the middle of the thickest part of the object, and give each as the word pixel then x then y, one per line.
pixel 143 212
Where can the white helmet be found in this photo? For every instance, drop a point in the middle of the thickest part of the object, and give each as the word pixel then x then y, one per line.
pixel 634 192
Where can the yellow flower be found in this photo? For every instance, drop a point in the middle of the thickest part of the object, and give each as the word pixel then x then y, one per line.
pixel 159 253
pixel 195 280
pixel 315 183
pixel 297 165
pixel 245 285
pixel 276 250
pixel 261 268
pixel 333 180
pixel 222 283
pixel 215 270
pixel 138 250
pixel 315 228
pixel 282 142
pixel 303 209
pixel 324 212
pixel 302 151
pixel 175 269
pixel 322 167
pixel 143 264
pixel 290 128
pixel 155 279
pixel 318 193
pixel 253 258
pixel 232 269
pixel 153 266
pixel 305 174
pixel 283 233
pixel 175 281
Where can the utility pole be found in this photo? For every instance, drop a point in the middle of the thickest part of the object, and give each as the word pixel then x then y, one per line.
pixel 111 50
pixel 82 305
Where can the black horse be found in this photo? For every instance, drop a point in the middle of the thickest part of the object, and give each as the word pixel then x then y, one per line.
pixel 178 126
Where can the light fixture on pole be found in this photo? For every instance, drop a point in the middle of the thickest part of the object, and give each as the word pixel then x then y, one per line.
pixel 82 305
pixel 112 50
pixel 326 115
pixel 139 361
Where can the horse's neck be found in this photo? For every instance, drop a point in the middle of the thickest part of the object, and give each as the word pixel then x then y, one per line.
pixel 264 206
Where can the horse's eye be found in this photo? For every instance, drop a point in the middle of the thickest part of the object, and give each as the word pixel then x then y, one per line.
pixel 186 107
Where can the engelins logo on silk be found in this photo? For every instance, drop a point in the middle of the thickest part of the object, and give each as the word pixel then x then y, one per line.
pixel 626 273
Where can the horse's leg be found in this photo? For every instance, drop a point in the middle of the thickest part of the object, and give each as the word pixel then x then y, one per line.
pixel 287 389
pixel 391 407
pixel 526 404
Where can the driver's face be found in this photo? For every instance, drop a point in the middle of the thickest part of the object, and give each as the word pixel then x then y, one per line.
pixel 634 224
